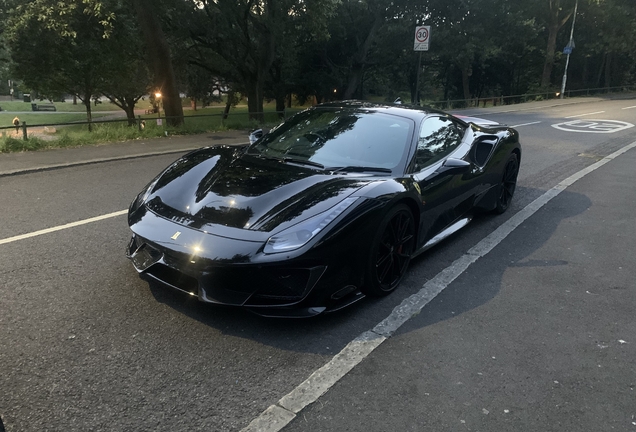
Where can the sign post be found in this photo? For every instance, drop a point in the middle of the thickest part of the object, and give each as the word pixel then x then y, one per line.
pixel 568 50
pixel 421 42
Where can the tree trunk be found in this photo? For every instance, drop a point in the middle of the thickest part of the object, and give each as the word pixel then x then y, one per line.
pixel 280 105
pixel 129 108
pixel 600 70
pixel 228 104
pixel 193 103
pixel 252 104
pixel 553 29
pixel 549 55
pixel 608 70
pixel 89 114
pixel 585 72
pixel 160 61
pixel 360 58
pixel 466 83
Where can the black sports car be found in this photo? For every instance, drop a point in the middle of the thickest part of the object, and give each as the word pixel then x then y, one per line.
pixel 325 208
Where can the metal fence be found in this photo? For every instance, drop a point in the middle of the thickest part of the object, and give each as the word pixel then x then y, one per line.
pixel 528 97
pixel 140 122
pixel 273 116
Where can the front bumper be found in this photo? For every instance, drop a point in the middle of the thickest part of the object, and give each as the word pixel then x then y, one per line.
pixel 273 285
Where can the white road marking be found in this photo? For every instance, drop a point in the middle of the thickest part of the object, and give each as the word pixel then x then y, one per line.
pixel 587 114
pixel 629 107
pixel 277 416
pixel 62 227
pixel 593 126
pixel 525 124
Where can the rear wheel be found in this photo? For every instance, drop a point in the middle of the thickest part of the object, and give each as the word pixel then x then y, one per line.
pixel 508 184
pixel 390 251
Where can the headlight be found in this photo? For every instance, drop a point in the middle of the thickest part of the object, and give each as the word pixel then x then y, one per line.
pixel 144 194
pixel 299 234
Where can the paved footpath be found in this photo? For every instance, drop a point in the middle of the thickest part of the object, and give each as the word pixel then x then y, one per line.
pixel 538 335
pixel 16 163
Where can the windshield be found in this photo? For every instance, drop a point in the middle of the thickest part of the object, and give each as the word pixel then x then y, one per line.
pixel 339 138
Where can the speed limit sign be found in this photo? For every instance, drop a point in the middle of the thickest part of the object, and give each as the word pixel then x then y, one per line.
pixel 422 37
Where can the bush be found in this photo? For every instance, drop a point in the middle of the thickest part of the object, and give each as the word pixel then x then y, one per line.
pixel 10 144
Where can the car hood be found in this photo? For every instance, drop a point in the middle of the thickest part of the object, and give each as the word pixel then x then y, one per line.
pixel 225 186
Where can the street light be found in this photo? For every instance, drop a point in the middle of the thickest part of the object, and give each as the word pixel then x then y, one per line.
pixel 158 98
pixel 568 51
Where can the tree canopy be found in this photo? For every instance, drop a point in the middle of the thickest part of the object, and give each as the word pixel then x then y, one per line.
pixel 312 49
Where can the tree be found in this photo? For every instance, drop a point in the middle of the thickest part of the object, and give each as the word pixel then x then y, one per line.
pixel 556 18
pixel 81 47
pixel 240 40
pixel 160 61
pixel 55 47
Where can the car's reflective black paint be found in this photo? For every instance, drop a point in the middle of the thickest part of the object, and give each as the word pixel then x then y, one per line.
pixel 227 224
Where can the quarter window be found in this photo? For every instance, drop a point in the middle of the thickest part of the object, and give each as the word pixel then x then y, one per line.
pixel 439 136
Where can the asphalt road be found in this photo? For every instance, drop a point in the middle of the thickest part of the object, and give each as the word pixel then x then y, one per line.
pixel 515 343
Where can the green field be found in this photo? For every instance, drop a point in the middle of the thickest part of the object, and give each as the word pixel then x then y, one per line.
pixel 199 121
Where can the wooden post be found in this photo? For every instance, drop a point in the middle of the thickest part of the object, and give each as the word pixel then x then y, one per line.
pixel 24 131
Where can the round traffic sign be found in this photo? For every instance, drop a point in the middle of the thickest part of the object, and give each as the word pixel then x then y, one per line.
pixel 421 34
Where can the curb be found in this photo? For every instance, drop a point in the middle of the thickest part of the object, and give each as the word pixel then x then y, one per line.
pixel 100 160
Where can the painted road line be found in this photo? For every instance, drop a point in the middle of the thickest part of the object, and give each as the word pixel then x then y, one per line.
pixel 525 124
pixel 629 107
pixel 586 114
pixel 62 227
pixel 277 416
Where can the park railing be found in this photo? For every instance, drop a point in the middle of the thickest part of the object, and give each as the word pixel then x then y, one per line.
pixel 275 116
pixel 140 122
pixel 528 97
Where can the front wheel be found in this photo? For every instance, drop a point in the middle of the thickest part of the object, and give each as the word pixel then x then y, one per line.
pixel 508 184
pixel 390 252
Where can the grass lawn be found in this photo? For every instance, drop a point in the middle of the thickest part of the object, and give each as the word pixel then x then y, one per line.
pixel 199 121
pixel 6 118
pixel 68 106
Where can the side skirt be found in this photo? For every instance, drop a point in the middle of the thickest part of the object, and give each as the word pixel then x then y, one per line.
pixel 442 235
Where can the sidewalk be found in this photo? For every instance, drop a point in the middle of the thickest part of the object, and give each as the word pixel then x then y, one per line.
pixel 24 162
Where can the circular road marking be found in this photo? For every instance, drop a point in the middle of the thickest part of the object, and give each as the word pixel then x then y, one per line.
pixel 593 126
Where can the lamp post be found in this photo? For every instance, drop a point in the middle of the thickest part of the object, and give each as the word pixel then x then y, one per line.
pixel 158 99
pixel 568 50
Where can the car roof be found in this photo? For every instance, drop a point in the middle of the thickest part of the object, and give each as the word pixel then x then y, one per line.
pixel 411 111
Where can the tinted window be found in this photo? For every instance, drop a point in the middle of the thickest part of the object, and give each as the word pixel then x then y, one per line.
pixel 337 138
pixel 439 136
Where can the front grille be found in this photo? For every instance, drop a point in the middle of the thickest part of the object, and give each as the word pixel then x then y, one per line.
pixel 174 278
pixel 283 284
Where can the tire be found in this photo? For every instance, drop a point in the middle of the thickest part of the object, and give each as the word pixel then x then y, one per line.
pixel 390 252
pixel 508 184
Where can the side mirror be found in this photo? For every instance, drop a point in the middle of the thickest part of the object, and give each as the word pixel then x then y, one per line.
pixel 255 135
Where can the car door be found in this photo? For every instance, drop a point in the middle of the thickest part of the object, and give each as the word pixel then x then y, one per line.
pixel 443 172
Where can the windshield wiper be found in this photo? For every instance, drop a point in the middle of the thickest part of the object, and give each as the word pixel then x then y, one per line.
pixel 355 168
pixel 288 159
pixel 302 162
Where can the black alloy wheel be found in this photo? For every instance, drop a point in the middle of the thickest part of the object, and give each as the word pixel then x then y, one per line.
pixel 390 252
pixel 508 184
